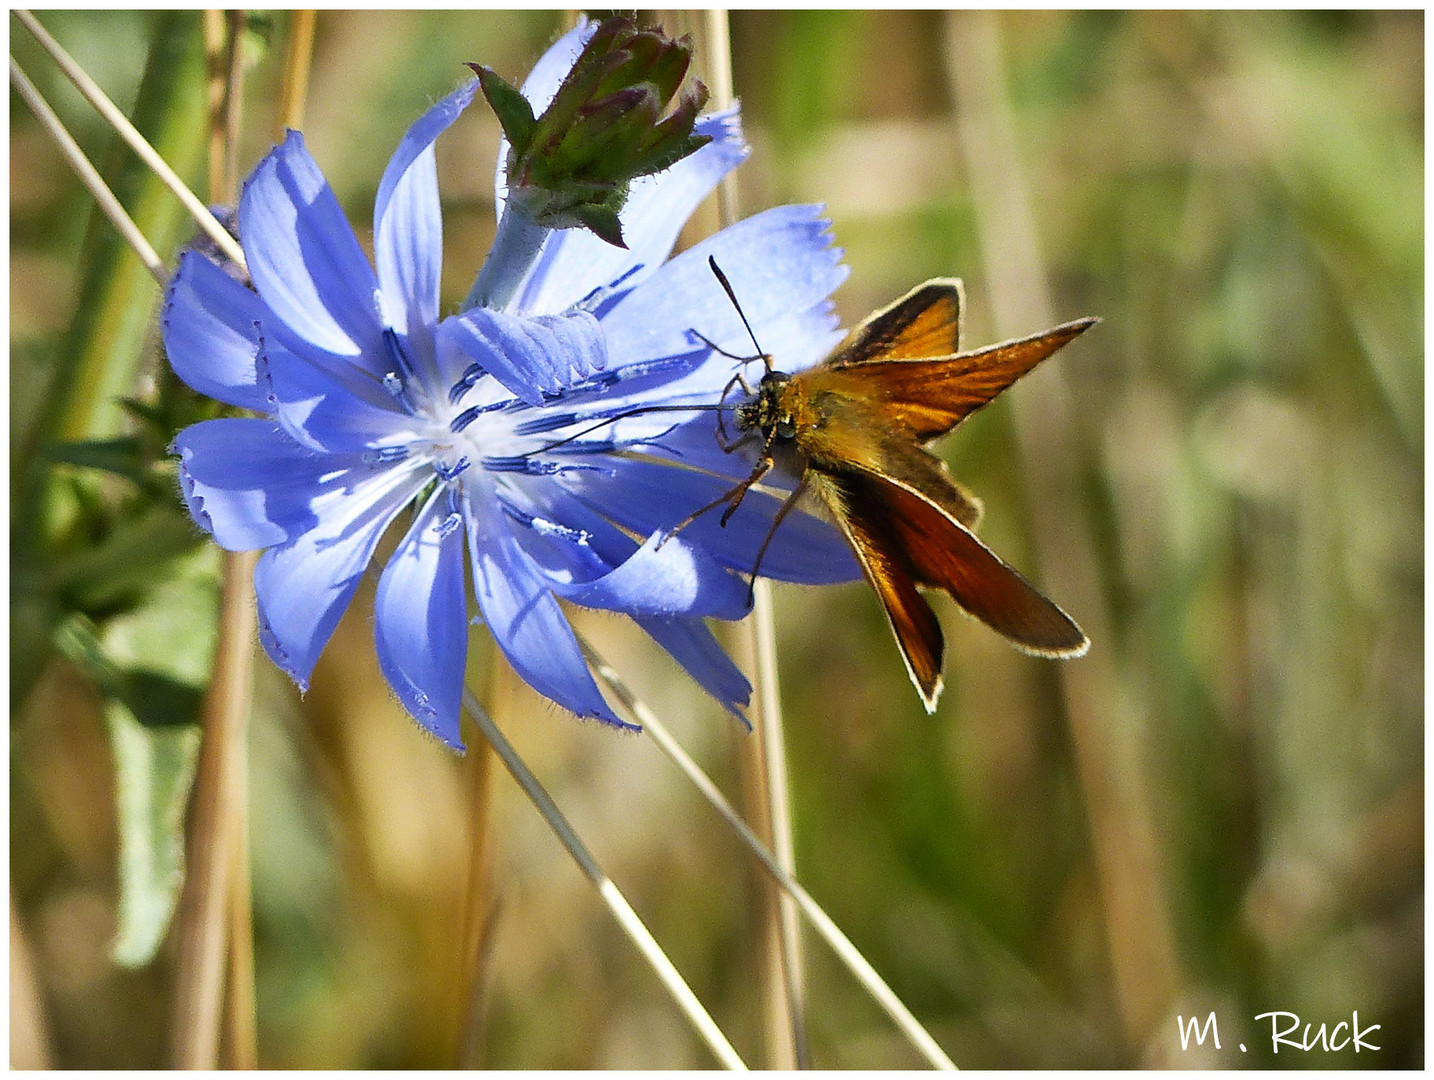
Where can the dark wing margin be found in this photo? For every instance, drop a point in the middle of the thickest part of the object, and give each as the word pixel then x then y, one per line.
pixel 932 395
pixel 914 624
pixel 924 323
pixel 941 553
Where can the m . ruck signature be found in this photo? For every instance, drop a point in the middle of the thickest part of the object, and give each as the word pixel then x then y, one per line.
pixel 1286 1031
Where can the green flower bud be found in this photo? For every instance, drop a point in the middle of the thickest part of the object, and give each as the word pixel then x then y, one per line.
pixel 605 127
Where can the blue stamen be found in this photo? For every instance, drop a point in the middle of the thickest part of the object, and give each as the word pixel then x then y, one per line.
pixel 448 473
pixel 581 537
pixel 385 455
pixel 467 416
pixel 397 353
pixel 594 300
pixel 545 423
pixel 530 466
pixel 447 526
pixel 471 375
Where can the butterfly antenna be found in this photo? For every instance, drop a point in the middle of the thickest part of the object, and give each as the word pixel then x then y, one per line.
pixel 638 411
pixel 727 287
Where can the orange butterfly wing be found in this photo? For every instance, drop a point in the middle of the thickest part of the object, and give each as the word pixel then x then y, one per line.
pixel 924 323
pixel 905 533
pixel 930 396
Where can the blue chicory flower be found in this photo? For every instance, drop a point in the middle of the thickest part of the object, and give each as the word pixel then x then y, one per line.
pixel 371 403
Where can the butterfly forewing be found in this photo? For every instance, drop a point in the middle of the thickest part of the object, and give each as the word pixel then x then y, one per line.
pixel 854 431
pixel 912 621
pixel 931 396
pixel 924 323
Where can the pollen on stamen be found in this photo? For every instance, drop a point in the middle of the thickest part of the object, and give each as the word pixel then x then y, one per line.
pixel 449 473
pixel 393 383
pixel 385 455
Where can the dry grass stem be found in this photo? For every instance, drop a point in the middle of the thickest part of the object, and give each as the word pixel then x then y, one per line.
pixel 89 176
pixel 611 896
pixel 840 943
pixel 763 759
pixel 295 90
pixel 202 921
pixel 137 142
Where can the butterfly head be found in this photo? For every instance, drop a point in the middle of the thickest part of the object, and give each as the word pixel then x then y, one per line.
pixel 770 412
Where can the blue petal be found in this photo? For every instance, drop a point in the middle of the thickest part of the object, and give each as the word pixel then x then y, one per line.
pixel 304 257
pixel 408 225
pixel 781 266
pixel 247 483
pixel 673 579
pixel 338 410
pixel 688 639
pixel 210 332
pixel 692 645
pixel 593 563
pixel 645 497
pixel 304 586
pixel 421 626
pixel 535 357
pixel 523 616
pixel 574 262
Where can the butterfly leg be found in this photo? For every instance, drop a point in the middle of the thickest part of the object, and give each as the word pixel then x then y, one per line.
pixel 724 440
pixel 734 497
pixel 782 512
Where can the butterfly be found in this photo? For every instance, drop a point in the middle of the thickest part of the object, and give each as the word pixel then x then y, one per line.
pixel 854 429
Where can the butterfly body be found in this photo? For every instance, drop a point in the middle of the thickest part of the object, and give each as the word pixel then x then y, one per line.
pixel 854 429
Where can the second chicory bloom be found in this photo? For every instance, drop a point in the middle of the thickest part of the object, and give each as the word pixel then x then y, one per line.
pixel 373 404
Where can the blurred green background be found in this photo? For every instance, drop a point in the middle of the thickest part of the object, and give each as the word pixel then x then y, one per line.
pixel 1221 811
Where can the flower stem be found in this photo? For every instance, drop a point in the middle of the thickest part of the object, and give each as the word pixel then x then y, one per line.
pixel 107 108
pixel 616 903
pixel 515 249
pixel 820 920
pixel 88 175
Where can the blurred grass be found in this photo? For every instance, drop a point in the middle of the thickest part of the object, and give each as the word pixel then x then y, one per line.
pixel 1239 197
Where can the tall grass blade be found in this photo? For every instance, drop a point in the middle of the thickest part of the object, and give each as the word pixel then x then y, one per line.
pixel 616 903
pixel 131 135
pixel 821 922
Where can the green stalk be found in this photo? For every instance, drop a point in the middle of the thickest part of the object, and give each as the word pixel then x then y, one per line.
pixel 100 355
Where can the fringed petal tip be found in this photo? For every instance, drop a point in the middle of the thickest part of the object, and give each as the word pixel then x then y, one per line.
pixel 612 720
pixel 416 703
pixel 280 656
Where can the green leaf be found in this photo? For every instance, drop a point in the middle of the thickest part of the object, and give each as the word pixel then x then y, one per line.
pixel 100 355
pixel 514 113
pixel 123 456
pixel 155 769
pixel 129 563
pixel 157 701
pixel 602 220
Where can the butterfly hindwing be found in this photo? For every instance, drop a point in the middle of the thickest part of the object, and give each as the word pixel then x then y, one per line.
pixel 940 552
pixel 914 624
